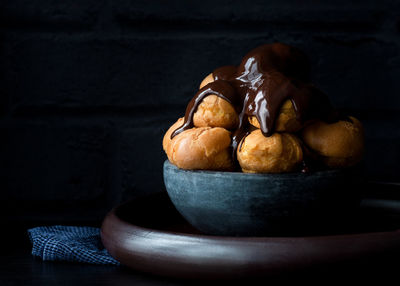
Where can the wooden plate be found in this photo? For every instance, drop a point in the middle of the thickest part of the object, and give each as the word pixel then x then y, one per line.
pixel 149 235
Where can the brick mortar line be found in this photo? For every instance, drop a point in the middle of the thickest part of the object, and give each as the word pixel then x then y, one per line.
pixel 132 33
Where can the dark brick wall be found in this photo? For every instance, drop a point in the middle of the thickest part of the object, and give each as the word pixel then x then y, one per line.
pixel 87 88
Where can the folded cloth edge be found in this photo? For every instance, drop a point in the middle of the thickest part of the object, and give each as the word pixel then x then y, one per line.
pixel 69 243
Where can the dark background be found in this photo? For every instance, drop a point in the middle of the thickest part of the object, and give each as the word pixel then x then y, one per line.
pixel 88 88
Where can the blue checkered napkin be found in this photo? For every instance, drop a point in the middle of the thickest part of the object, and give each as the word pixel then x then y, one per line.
pixel 69 243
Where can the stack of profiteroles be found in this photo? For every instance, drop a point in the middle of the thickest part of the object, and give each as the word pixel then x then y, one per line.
pixel 263 116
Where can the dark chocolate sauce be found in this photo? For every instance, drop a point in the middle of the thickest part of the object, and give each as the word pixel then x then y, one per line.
pixel 267 77
pixel 225 73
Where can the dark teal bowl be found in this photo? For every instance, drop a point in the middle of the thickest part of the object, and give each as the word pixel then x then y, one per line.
pixel 242 204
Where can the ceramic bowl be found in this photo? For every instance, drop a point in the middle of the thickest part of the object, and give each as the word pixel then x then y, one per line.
pixel 242 204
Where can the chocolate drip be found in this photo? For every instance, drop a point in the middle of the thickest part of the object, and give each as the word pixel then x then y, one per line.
pixel 285 59
pixel 225 73
pixel 267 77
pixel 219 88
pixel 265 97
pixel 241 132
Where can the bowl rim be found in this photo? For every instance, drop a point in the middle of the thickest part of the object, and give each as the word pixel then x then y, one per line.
pixel 168 164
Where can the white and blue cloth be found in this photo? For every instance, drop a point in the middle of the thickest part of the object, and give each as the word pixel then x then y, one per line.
pixel 69 243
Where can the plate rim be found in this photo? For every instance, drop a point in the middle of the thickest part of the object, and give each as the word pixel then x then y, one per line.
pixel 158 250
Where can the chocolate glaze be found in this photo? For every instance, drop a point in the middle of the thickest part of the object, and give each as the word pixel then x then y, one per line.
pixel 225 73
pixel 267 77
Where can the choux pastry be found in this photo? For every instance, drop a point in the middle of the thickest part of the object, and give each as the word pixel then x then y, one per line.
pixel 338 144
pixel 286 121
pixel 199 148
pixel 167 136
pixel 278 153
pixel 215 111
pixel 206 80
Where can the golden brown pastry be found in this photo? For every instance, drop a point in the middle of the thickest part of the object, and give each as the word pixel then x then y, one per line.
pixel 199 148
pixel 215 111
pixel 339 144
pixel 278 153
pixel 206 80
pixel 167 136
pixel 286 120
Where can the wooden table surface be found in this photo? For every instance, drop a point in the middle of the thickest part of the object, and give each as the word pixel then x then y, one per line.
pixel 20 268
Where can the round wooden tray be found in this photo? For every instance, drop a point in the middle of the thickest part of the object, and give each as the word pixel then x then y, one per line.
pixel 149 235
